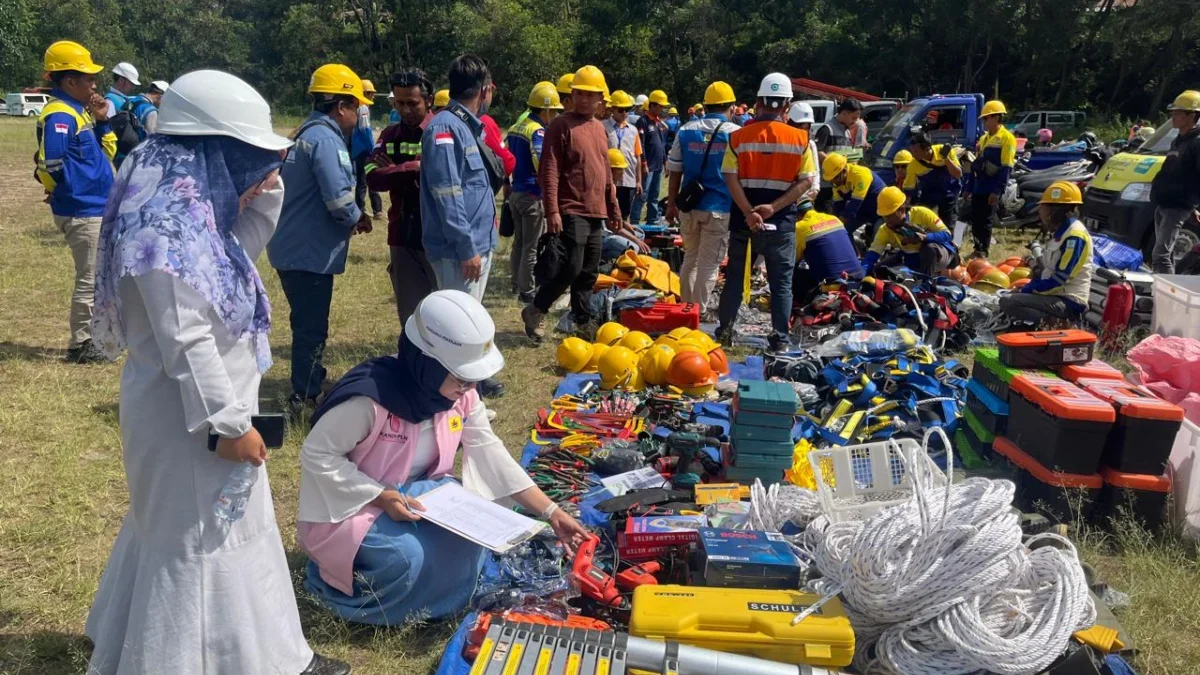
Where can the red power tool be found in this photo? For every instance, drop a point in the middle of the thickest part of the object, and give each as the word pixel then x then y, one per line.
pixel 639 575
pixel 594 582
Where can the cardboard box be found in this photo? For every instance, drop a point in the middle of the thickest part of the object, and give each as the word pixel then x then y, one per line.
pixel 746 559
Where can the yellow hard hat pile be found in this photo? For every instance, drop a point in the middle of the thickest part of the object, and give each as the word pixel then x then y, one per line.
pixel 337 80
pixel 611 333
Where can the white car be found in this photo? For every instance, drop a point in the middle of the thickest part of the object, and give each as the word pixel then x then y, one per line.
pixel 26 105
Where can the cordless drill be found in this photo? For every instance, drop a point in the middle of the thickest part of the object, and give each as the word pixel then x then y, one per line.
pixel 687 445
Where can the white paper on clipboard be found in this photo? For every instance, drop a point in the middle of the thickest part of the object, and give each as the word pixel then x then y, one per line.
pixel 476 519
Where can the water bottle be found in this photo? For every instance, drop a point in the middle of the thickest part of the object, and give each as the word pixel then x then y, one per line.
pixel 231 504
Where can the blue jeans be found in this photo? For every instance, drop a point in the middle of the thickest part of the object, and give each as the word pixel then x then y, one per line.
pixel 651 186
pixel 778 248
pixel 309 296
pixel 449 276
pixel 616 244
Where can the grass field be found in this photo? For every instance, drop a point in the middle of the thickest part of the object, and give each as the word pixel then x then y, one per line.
pixel 64 493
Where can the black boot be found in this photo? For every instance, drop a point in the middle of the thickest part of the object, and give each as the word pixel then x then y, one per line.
pixel 87 352
pixel 491 388
pixel 322 665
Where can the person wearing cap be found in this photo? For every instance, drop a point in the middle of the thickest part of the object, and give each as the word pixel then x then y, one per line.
pixel 934 178
pixel 362 142
pixel 763 167
pixel 192 586
pixel 1175 190
pixel 125 80
pixel 1062 278
pixel 855 191
pixel 525 140
pixel 623 137
pixel 390 431
pixel 76 146
pixel 318 218
pixel 825 249
pixel 920 237
pixel 995 155
pixel 653 132
pixel 673 124
pixel 705 228
pixel 144 107
pixel 580 199
pixel 395 167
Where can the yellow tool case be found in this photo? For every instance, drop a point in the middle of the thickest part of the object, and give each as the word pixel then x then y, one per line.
pixel 745 621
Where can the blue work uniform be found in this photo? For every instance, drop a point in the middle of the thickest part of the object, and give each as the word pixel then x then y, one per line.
pixel 458 206
pixel 854 201
pixel 1066 266
pixel 525 143
pixel 74 157
pixel 687 154
pixel 362 139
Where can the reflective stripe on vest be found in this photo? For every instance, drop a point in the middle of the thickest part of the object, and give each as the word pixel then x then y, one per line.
pixel 770 154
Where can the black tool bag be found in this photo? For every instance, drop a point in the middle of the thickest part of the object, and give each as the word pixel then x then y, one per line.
pixel 690 194
pixel 507 225
pixel 551 256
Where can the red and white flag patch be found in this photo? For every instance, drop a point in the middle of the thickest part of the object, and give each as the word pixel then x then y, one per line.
pixel 62 129
pixel 444 138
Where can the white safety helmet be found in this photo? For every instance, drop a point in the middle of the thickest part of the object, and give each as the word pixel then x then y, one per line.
pixel 775 85
pixel 161 85
pixel 801 112
pixel 127 71
pixel 212 103
pixel 454 328
pixel 641 100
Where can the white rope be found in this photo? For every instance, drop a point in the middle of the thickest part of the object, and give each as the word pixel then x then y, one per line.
pixel 771 509
pixel 944 584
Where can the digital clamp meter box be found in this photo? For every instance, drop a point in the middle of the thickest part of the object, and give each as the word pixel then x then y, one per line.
pixel 746 559
pixel 745 621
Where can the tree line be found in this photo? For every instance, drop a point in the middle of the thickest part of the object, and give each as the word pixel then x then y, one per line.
pixel 1126 57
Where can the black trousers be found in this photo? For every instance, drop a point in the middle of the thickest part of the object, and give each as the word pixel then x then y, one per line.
pixel 361 191
pixel 625 200
pixel 583 240
pixel 981 222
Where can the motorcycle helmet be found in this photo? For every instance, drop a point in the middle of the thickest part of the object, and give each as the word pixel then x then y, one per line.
pixel 1089 139
pixel 1045 135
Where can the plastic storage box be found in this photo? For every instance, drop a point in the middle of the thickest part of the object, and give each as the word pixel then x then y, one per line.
pixel 1060 425
pixel 989 409
pixel 1185 476
pixel 1057 495
pixel 1044 348
pixel 767 397
pixel 662 317
pixel 994 375
pixel 1095 369
pixel 1177 305
pixel 1146 426
pixel 856 481
pixel 968 450
pixel 1129 494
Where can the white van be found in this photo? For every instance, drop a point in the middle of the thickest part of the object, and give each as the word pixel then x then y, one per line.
pixel 26 105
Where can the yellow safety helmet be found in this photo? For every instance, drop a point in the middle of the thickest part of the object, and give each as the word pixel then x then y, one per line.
pixel 593 364
pixel 719 93
pixel 833 165
pixel 368 87
pixel 890 199
pixel 1062 192
pixel 993 108
pixel 621 99
pixel 564 83
pixel 67 55
pixel 660 97
pixel 668 340
pixel 1020 273
pixel 573 354
pixel 672 111
pixel 619 368
pixel 338 80
pixel 636 341
pixel 902 158
pixel 610 333
pixel 703 338
pixel 1188 101
pixel 589 78
pixel 607 95
pixel 991 281
pixel 616 159
pixel 544 96
pixel 442 98
pixel 654 364
pixel 691 344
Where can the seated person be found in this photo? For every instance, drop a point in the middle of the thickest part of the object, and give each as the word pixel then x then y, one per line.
pixel 855 190
pixel 924 241
pixel 389 431
pixel 1063 277
pixel 824 246
pixel 628 237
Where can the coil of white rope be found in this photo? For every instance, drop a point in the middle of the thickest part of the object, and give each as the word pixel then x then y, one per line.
pixel 944 584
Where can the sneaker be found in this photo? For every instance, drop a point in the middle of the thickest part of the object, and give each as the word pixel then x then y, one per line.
pixel 533 323
pixel 322 665
pixel 85 353
pixel 491 388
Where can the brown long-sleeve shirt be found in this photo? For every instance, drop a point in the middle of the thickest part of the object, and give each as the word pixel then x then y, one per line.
pixel 574 172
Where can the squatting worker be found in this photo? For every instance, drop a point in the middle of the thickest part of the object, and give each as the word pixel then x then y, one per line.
pixel 395 167
pixel 389 432
pixel 696 155
pixel 525 140
pixel 74 165
pixel 185 591
pixel 1062 278
pixel 922 239
pixel 994 158
pixel 319 217
pixel 826 250
pixel 934 178
pixel 1175 191
pixel 578 196
pixel 856 190
pixel 763 167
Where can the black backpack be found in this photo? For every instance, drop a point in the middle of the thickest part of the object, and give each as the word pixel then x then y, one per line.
pixel 127 127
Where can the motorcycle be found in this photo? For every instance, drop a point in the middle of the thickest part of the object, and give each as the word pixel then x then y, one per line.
pixel 1025 187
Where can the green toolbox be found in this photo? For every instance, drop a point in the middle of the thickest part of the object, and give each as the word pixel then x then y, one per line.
pixel 994 375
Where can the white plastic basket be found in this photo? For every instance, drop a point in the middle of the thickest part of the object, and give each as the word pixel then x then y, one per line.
pixel 1185 477
pixel 856 481
pixel 1177 305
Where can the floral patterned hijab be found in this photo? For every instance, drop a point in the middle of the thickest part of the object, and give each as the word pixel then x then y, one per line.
pixel 172 210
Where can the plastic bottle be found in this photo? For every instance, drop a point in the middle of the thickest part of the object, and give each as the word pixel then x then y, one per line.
pixel 231 504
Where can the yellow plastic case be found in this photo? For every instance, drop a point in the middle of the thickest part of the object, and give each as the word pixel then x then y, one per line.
pixel 745 621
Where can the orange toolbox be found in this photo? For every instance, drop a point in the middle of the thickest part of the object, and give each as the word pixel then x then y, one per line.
pixel 1055 494
pixel 1095 368
pixel 1046 348
pixel 1059 424
pixel 1142 438
pixel 1129 494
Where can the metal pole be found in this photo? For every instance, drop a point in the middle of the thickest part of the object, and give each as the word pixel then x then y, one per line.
pixel 650 655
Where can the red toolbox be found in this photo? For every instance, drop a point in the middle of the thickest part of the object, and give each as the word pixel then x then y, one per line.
pixel 1142 438
pixel 1095 368
pixel 1060 425
pixel 1057 495
pixel 1129 494
pixel 662 317
pixel 1045 348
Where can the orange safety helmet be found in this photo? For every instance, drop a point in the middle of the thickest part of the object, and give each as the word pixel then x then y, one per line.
pixel 690 370
pixel 719 361
pixel 1005 267
pixel 1014 260
pixel 977 267
pixel 960 275
pixel 1024 281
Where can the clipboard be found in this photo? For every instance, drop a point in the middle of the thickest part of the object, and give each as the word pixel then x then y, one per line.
pixel 453 507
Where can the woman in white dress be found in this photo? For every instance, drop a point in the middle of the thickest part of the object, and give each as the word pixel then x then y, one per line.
pixel 186 592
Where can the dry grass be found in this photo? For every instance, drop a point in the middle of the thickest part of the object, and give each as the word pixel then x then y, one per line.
pixel 64 488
